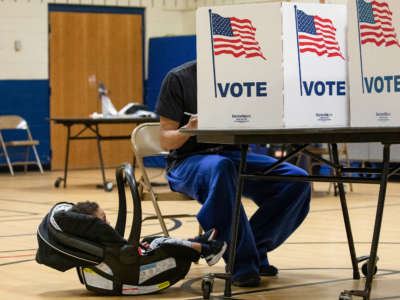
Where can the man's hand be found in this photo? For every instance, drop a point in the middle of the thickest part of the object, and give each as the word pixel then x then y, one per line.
pixel 170 136
pixel 192 124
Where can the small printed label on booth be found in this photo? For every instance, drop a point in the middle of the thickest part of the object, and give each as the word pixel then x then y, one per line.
pixel 383 116
pixel 241 118
pixel 323 117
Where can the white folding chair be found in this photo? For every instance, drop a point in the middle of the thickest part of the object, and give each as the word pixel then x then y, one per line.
pixel 17 123
pixel 145 140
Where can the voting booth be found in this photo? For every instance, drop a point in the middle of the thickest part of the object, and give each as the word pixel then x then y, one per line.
pixel 272 65
pixel 374 65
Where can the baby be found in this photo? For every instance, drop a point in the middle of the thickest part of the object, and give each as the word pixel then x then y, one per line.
pixel 209 248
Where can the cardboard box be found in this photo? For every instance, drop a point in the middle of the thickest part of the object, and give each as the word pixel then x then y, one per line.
pixel 251 74
pixel 374 64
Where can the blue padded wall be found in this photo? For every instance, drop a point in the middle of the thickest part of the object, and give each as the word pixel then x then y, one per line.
pixel 165 53
pixel 30 100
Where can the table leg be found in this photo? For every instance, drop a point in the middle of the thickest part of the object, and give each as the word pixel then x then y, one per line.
pixel 366 293
pixel 378 220
pixel 342 195
pixel 67 156
pixel 60 179
pixel 98 138
pixel 235 221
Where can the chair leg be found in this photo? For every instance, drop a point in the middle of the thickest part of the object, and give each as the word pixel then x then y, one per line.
pixel 7 158
pixel 37 159
pixel 159 214
pixel 200 230
pixel 26 159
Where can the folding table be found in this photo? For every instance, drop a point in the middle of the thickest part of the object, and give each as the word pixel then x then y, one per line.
pixel 301 138
pixel 92 125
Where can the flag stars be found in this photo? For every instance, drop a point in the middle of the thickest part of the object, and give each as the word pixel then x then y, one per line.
pixel 306 23
pixel 365 12
pixel 221 26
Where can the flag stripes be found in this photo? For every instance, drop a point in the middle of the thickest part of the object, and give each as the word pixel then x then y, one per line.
pixel 375 21
pixel 317 35
pixel 235 36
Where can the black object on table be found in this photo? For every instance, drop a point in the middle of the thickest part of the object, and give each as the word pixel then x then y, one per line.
pixel 302 138
pixel 92 125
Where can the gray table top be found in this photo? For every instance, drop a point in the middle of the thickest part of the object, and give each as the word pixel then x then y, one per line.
pixel 389 135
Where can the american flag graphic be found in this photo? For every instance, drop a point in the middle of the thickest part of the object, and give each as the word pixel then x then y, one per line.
pixel 375 21
pixel 234 36
pixel 317 35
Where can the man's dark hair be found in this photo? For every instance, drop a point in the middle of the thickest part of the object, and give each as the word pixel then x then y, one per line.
pixel 87 207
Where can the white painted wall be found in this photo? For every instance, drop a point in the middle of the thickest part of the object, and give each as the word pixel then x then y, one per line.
pixel 26 21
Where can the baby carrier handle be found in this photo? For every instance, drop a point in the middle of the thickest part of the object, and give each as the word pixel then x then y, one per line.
pixel 124 174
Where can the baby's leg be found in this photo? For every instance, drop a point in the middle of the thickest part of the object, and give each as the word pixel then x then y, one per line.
pixel 169 240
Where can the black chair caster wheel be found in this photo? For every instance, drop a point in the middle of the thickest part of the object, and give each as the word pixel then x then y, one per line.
pixel 364 269
pixel 57 182
pixel 206 287
pixel 345 296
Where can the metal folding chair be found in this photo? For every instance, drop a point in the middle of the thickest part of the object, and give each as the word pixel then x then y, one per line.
pixel 145 140
pixel 17 123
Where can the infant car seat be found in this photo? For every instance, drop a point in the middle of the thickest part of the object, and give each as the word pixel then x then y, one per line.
pixel 106 263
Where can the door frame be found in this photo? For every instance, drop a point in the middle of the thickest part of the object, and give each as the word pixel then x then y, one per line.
pixel 94 9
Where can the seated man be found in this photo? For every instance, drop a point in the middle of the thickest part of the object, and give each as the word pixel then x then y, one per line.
pixel 209 248
pixel 209 173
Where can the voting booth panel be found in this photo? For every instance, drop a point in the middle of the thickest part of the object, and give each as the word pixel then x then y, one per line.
pixel 314 60
pixel 271 65
pixel 239 72
pixel 374 71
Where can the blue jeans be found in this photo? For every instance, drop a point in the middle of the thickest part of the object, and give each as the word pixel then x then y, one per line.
pixel 282 206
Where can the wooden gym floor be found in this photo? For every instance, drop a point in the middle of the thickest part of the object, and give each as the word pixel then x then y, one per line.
pixel 314 263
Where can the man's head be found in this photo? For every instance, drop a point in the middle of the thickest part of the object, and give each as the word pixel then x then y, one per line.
pixel 90 208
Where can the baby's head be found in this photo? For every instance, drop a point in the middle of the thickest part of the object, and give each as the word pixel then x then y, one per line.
pixel 90 208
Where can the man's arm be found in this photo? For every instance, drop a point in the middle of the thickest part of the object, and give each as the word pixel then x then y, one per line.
pixel 170 136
